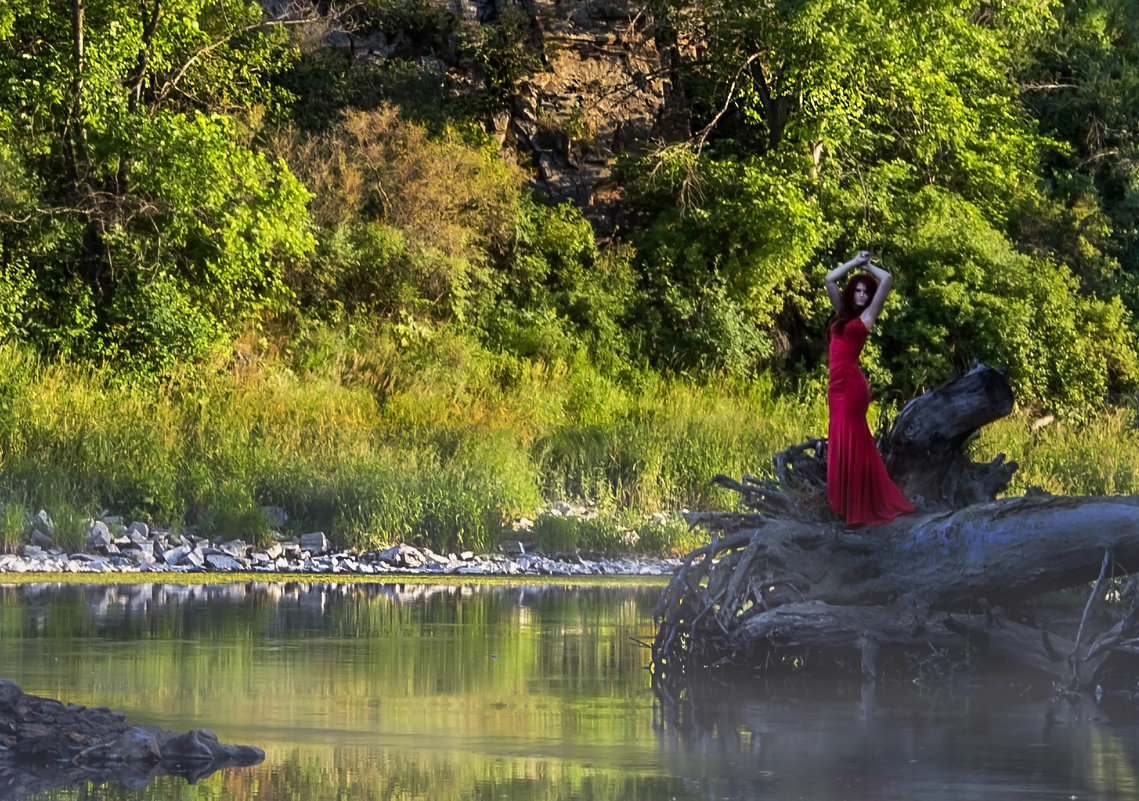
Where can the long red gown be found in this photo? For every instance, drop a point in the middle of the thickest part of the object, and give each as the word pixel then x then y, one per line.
pixel 858 487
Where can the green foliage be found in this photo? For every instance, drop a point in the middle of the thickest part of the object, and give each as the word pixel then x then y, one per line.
pixel 966 294
pixel 143 193
pixel 714 276
pixel 1096 456
pixel 16 284
pixel 554 534
pixel 230 218
pixel 857 82
pixel 606 535
pixel 559 291
pixel 236 517
pixel 411 221
pixel 460 241
pixel 411 27
pixel 156 326
pixel 204 250
pixel 15 523
pixel 17 184
pixel 670 536
pixel 854 108
pixel 376 268
pixel 1082 84
pixel 987 152
pixel 505 49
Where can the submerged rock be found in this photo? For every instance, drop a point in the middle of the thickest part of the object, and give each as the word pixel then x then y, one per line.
pixel 45 744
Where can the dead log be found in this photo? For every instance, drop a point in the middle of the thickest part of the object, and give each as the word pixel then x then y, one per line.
pixel 923 450
pixel 867 629
pixel 784 578
pixel 1002 552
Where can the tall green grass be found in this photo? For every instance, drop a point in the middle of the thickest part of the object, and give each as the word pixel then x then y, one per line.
pixel 429 437
pixel 371 438
pixel 1099 456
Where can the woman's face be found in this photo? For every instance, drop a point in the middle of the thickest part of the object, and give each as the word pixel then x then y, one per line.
pixel 861 295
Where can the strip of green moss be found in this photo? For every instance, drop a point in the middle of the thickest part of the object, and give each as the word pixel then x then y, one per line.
pixel 194 579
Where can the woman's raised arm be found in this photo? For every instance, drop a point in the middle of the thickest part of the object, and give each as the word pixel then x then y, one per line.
pixel 833 292
pixel 874 308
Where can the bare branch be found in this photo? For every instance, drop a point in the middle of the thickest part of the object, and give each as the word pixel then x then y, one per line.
pixel 1046 87
pixel 702 135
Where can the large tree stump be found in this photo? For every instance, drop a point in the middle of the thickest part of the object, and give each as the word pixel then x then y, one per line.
pixel 784 584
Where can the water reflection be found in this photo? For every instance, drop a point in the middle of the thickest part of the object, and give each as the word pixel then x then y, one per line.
pixel 831 742
pixel 453 689
pixel 490 692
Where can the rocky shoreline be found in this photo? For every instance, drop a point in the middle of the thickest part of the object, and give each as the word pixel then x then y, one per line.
pixel 112 547
pixel 45 744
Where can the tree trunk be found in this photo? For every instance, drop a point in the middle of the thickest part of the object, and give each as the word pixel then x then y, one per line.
pixel 923 448
pixel 786 584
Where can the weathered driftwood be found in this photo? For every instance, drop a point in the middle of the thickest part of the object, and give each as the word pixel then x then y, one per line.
pixel 923 450
pixel 786 579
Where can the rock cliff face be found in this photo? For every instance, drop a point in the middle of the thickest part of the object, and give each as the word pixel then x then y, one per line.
pixel 599 88
pixel 603 93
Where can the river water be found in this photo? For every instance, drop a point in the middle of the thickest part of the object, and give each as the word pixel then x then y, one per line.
pixel 422 691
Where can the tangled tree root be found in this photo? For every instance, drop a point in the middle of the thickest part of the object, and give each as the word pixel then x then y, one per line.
pixel 783 585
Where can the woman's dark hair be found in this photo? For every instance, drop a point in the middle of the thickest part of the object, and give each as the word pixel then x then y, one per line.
pixel 846 310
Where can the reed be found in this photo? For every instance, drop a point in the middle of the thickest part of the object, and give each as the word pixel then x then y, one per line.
pixel 378 437
pixel 1094 456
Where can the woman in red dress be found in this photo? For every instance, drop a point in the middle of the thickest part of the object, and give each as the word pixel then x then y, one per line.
pixel 858 487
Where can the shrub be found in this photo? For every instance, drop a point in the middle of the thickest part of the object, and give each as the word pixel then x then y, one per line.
pixel 440 190
pixel 965 294
pixel 412 222
pixel 554 534
pixel 670 537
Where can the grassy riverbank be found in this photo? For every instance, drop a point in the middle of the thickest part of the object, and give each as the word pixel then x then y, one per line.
pixel 374 440
pixel 430 438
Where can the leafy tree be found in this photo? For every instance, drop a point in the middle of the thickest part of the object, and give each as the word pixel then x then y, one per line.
pixel 422 226
pixel 411 222
pixel 859 82
pixel 1082 83
pixel 145 194
pixel 715 275
pixel 17 191
pixel 965 293
pixel 558 291
pixel 824 126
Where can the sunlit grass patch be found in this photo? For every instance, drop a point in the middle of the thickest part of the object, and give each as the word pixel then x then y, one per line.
pixel 1098 456
pixel 455 445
